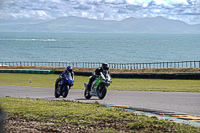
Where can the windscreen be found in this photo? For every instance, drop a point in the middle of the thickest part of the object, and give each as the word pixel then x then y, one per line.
pixel 68 75
pixel 106 73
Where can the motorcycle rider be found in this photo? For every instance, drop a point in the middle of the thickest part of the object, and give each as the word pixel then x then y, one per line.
pixel 68 70
pixel 96 73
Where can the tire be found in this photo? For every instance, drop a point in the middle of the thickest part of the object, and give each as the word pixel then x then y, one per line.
pixel 56 94
pixel 65 90
pixel 87 94
pixel 56 91
pixel 101 93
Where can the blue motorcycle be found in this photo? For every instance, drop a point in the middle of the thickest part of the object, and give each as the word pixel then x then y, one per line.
pixel 63 85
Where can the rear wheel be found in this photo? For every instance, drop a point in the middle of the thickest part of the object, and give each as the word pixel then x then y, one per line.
pixel 101 93
pixel 56 94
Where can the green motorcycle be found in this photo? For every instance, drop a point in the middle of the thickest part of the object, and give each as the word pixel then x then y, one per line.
pixel 98 86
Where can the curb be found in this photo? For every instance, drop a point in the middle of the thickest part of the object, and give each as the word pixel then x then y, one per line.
pixel 166 115
pixel 157 75
pixel 184 118
pixel 113 75
pixel 179 117
pixel 33 71
pixel 148 75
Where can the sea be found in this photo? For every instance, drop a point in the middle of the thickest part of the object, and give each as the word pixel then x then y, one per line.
pixel 98 47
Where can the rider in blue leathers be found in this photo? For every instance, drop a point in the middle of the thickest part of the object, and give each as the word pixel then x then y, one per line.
pixel 62 75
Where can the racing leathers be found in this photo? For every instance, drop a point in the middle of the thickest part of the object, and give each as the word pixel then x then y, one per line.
pixel 95 74
pixel 62 76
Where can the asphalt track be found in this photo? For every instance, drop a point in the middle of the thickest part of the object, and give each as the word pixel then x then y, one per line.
pixel 172 102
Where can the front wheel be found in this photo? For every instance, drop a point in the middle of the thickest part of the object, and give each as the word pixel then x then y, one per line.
pixel 65 90
pixel 56 94
pixel 101 93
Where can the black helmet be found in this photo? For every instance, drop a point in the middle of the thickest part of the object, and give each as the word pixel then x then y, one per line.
pixel 69 68
pixel 105 66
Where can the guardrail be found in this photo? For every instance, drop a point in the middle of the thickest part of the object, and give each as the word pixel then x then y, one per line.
pixel 181 64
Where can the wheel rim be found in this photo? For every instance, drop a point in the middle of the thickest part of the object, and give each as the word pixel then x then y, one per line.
pixel 100 92
pixel 86 93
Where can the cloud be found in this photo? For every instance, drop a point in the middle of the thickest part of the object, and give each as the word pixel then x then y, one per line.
pixel 184 10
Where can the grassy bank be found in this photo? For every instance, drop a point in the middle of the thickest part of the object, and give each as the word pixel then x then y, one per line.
pixel 30 115
pixel 112 70
pixel 48 80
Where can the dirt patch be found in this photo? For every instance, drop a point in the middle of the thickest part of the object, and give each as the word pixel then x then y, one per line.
pixel 18 124
pixel 30 126
pixel 23 125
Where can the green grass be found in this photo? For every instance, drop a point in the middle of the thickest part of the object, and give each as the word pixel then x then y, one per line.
pixel 48 80
pixel 62 113
pixel 156 85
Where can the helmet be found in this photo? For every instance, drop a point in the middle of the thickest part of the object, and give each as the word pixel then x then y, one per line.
pixel 69 68
pixel 105 66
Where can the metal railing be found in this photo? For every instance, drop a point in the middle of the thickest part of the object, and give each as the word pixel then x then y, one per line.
pixel 181 64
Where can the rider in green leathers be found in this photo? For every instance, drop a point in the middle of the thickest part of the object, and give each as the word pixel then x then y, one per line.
pixel 96 73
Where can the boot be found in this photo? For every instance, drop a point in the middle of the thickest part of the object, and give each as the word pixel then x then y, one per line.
pixel 89 87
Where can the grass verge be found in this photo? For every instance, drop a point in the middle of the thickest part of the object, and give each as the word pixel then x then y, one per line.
pixel 48 80
pixel 32 115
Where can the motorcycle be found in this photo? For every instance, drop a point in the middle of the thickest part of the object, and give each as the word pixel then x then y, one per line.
pixel 63 85
pixel 98 86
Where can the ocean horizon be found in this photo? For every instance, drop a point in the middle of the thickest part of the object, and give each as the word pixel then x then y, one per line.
pixel 98 47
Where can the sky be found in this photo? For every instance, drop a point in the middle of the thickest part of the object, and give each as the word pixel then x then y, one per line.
pixel 187 11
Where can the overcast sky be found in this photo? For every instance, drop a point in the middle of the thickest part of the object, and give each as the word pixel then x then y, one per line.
pixel 185 10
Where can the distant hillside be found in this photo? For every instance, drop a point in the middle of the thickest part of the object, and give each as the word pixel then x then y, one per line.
pixel 85 25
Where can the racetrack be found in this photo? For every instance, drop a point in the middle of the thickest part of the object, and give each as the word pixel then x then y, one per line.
pixel 173 102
